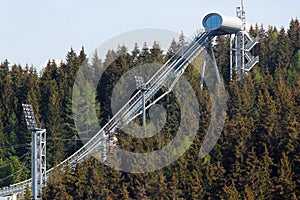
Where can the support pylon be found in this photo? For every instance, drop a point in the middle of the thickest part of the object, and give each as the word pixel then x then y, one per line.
pixel 38 153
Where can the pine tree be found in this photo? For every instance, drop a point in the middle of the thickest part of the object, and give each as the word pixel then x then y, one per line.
pixel 283 53
pixel 231 192
pixel 285 188
pixel 145 54
pixel 197 189
pixel 294 36
pixel 221 51
pixel 214 180
pixel 135 53
pixel 265 120
pixel 173 185
pixel 156 53
pixel 181 40
pixel 156 186
pixel 2 136
pixel 269 54
pixel 174 47
pixel 66 81
pixel 257 175
pixel 294 68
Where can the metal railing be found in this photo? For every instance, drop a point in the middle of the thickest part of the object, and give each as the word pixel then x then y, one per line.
pixel 174 66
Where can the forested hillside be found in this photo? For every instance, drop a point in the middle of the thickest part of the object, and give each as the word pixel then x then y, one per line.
pixel 256 157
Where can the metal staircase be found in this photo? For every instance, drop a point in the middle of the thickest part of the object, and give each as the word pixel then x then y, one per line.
pixel 250 43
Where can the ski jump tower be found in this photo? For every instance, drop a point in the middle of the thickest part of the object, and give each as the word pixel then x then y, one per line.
pixel 215 24
pixel 241 45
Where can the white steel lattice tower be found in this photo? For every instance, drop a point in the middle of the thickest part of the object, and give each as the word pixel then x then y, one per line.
pixel 241 45
pixel 38 152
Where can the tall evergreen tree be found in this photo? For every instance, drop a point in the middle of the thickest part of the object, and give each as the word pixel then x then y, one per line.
pixel 283 53
pixel 294 35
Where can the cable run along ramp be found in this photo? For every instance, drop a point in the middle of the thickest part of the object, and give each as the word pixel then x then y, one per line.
pixel 215 24
pixel 173 68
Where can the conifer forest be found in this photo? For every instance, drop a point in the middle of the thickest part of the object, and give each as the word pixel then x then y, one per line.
pixel 256 157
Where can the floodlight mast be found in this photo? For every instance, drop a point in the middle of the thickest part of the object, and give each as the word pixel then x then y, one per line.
pixel 38 152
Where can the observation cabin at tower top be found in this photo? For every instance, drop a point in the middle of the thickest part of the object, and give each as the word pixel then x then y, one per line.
pixel 221 24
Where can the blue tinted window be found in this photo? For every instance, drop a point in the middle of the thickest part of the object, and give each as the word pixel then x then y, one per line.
pixel 213 22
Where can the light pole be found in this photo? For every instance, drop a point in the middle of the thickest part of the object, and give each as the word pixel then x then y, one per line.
pixel 38 152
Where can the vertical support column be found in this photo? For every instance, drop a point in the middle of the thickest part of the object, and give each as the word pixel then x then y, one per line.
pixel 243 51
pixel 38 163
pixel 44 150
pixel 238 56
pixel 34 165
pixel 140 85
pixel 240 43
pixel 203 68
pixel 42 161
pixel 243 17
pixel 231 55
pixel 103 147
pixel 215 64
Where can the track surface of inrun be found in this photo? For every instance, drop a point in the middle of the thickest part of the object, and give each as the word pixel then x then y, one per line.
pixel 171 69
